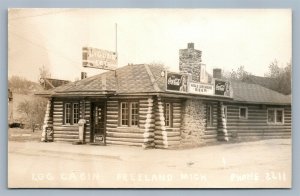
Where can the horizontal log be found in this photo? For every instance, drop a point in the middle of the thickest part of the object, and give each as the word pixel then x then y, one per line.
pixel 133 140
pixel 260 130
pixel 263 134
pixel 116 109
pixel 177 120
pixel 66 128
pixel 122 130
pixel 58 106
pixel 170 143
pixel 57 113
pixel 150 126
pixel 146 105
pixel 112 121
pixel 176 125
pixel 58 116
pixel 145 112
pixel 65 136
pixel 57 123
pixel 112 112
pixel 149 121
pixel 176 104
pixel 64 140
pixel 108 125
pixel 127 135
pixel 112 117
pixel 177 115
pixel 258 127
pixel 176 111
pixel 173 138
pixel 170 134
pixel 72 132
pixel 123 143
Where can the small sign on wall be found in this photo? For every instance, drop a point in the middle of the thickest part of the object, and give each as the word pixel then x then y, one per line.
pixel 222 88
pixel 177 82
pixel 99 139
pixel 202 89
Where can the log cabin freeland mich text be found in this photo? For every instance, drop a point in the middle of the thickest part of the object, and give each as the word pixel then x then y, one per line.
pixel 147 106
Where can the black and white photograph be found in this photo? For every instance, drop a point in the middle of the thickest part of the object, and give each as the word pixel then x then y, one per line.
pixel 149 98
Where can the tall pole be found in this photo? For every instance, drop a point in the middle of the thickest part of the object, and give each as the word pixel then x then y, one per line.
pixel 117 39
pixel 116 49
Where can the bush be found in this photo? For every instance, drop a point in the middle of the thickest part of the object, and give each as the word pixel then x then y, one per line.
pixel 34 111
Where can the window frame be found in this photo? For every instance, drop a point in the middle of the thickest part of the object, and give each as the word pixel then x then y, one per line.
pixel 129 113
pixel 71 113
pixel 275 116
pixel 210 117
pixel 170 120
pixel 246 113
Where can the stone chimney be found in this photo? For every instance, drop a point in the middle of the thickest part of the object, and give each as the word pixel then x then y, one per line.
pixel 217 73
pixel 190 45
pixel 190 62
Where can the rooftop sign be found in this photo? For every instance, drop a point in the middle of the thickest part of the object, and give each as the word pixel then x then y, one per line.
pixel 180 83
pixel 100 59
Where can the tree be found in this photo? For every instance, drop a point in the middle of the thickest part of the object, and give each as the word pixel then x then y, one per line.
pixel 44 72
pixel 21 85
pixel 239 75
pixel 282 76
pixel 34 111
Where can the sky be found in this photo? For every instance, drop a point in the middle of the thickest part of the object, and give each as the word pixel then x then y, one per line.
pixel 228 38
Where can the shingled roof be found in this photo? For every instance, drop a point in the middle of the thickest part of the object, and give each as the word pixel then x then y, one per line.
pixel 255 93
pixel 143 78
pixel 128 79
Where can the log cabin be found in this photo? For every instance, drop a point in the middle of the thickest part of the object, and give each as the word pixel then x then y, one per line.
pixel 133 106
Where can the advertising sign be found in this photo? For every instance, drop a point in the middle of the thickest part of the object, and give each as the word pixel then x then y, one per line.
pixel 100 59
pixel 176 82
pixel 202 89
pixel 222 88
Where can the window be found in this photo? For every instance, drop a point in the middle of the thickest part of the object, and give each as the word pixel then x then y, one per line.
pixel 209 119
pixel 67 113
pixel 134 113
pixel 244 112
pixel 71 113
pixel 75 113
pixel 129 113
pixel 225 111
pixel 275 116
pixel 167 114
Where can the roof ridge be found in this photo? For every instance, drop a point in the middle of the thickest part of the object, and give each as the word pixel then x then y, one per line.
pixel 152 79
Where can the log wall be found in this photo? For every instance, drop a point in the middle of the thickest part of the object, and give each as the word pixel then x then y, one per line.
pixel 211 131
pixel 65 133
pixel 256 125
pixel 167 137
pixel 142 136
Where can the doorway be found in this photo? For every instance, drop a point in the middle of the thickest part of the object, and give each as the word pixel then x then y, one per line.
pixel 98 123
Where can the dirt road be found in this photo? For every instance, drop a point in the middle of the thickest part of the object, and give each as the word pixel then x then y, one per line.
pixel 264 163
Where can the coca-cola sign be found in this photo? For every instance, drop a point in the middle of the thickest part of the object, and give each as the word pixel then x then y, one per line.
pixel 222 88
pixel 176 82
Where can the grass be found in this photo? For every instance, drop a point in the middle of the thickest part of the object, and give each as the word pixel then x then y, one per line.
pixel 24 135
